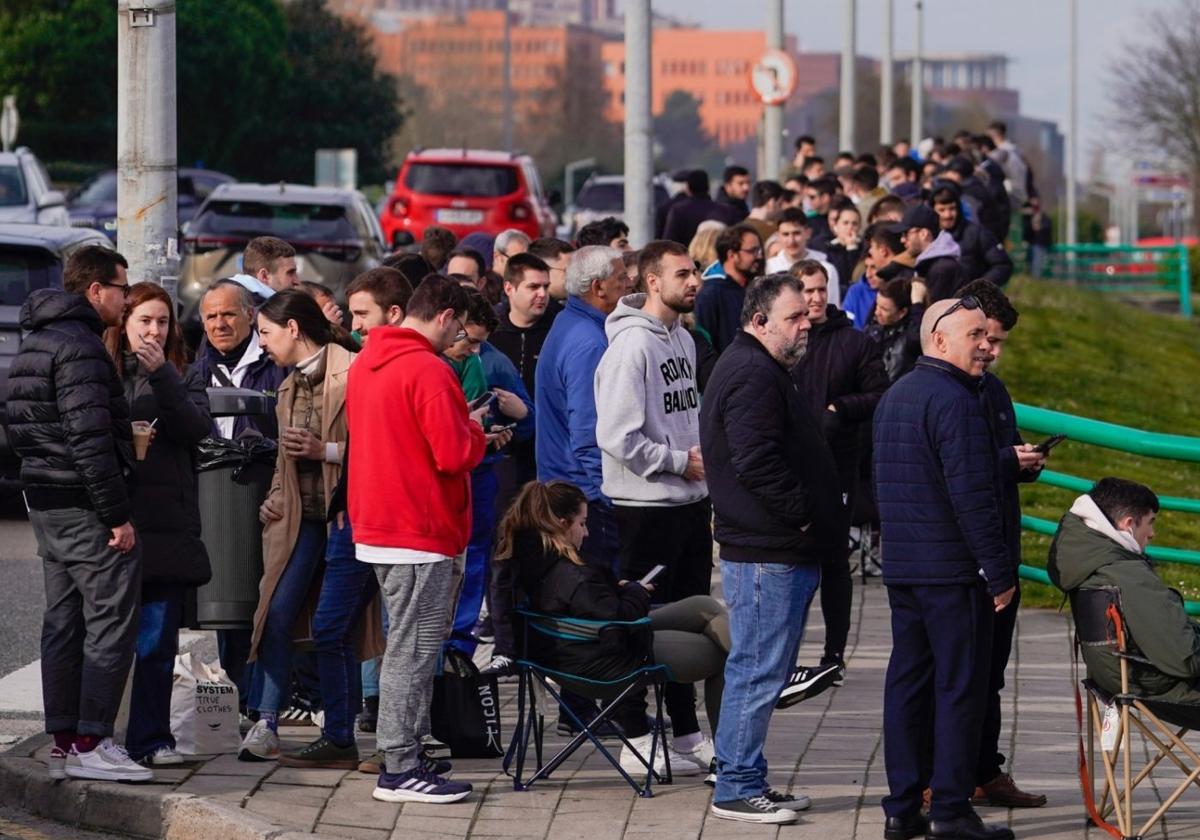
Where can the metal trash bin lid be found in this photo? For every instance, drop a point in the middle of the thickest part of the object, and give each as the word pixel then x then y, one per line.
pixel 238 402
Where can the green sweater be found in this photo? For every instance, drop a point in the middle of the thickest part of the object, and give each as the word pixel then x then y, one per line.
pixel 1156 623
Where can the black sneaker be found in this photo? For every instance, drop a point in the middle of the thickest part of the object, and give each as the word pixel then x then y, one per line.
pixel 756 809
pixel 368 718
pixel 790 801
pixel 500 667
pixel 322 753
pixel 805 683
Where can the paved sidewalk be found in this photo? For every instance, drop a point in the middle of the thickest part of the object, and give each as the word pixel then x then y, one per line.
pixel 829 747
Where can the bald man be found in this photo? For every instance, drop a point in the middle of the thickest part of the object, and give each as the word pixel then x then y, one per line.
pixel 947 571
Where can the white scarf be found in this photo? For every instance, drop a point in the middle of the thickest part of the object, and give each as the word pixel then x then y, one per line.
pixel 1085 508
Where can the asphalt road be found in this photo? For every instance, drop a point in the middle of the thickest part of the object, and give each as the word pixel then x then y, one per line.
pixel 21 594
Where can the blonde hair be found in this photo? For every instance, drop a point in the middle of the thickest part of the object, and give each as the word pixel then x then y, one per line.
pixel 703 248
pixel 542 507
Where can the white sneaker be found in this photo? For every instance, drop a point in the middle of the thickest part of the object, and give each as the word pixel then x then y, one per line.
pixel 162 757
pixel 56 763
pixel 108 763
pixel 680 765
pixel 260 744
pixel 701 755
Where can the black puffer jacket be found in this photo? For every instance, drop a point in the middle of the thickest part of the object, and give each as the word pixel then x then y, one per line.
pixel 67 416
pixel 548 582
pixel 771 475
pixel 983 256
pixel 842 368
pixel 165 506
pixel 899 343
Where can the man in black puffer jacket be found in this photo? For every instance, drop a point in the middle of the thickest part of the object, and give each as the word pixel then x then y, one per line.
pixel 774 487
pixel 69 423
pixel 842 378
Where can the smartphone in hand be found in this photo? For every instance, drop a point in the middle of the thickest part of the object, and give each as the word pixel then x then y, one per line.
pixel 652 574
pixel 1049 443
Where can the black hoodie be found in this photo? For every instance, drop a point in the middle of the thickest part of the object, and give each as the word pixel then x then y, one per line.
pixel 548 582
pixel 66 412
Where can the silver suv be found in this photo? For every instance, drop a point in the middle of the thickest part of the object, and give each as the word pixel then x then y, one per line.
pixel 25 193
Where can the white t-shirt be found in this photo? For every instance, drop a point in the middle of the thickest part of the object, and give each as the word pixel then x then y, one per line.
pixel 781 262
pixel 386 556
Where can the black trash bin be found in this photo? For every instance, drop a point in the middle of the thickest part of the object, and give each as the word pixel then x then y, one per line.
pixel 234 476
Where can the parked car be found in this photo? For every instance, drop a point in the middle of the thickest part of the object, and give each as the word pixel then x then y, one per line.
pixel 467 190
pixel 334 232
pixel 604 195
pixel 94 203
pixel 26 196
pixel 31 257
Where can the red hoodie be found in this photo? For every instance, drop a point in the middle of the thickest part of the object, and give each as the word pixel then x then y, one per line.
pixel 413 449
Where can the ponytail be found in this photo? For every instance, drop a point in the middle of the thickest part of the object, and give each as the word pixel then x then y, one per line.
pixel 541 507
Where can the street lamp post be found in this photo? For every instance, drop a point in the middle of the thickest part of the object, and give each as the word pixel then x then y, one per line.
pixel 639 135
pixel 848 80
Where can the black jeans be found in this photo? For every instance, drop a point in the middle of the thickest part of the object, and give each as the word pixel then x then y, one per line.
pixel 991 760
pixel 837 586
pixel 680 538
pixel 91 620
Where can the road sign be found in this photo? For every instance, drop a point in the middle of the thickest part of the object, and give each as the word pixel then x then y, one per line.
pixel 1161 180
pixel 10 121
pixel 773 77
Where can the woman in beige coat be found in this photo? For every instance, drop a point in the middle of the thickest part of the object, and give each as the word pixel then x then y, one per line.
pixel 303 553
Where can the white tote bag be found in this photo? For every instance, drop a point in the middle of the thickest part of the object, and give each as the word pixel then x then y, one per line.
pixel 204 708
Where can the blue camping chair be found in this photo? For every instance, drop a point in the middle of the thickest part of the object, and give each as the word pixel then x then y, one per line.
pixel 530 723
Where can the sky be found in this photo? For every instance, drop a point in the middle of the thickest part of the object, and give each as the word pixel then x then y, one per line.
pixel 1033 33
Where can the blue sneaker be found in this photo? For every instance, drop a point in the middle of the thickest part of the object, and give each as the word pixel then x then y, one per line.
pixel 419 785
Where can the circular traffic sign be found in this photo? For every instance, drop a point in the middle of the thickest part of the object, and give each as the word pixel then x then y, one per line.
pixel 773 77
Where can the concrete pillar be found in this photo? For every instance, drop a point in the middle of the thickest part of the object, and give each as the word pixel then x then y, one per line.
pixel 639 127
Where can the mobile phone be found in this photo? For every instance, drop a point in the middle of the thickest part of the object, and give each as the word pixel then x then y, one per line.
pixel 1049 443
pixel 480 401
pixel 652 574
pixel 495 430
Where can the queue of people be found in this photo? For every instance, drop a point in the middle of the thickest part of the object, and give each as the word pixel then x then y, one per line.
pixel 601 413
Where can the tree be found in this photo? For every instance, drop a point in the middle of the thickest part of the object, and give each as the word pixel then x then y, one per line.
pixel 682 139
pixel 1155 88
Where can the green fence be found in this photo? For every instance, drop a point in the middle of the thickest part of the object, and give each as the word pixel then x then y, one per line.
pixel 1122 439
pixel 1124 268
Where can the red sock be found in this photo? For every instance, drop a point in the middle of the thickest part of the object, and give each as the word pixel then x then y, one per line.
pixel 86 743
pixel 64 740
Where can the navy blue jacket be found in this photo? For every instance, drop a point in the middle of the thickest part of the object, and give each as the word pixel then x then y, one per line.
pixel 1003 417
pixel 771 475
pixel 719 306
pixel 264 375
pixel 935 482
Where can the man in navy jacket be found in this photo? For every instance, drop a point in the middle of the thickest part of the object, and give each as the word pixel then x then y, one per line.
pixel 947 570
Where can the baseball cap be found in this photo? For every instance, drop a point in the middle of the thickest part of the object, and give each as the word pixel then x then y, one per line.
pixel 916 216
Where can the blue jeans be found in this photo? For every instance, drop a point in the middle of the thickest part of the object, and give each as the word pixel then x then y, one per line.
pixel 768 607
pixel 273 668
pixel 346 591
pixel 484 489
pixel 153 669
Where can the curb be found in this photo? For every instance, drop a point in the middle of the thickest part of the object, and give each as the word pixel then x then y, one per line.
pixel 146 811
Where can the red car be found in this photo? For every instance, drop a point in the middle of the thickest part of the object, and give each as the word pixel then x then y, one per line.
pixel 466 190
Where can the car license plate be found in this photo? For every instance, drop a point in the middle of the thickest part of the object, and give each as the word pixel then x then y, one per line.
pixel 460 217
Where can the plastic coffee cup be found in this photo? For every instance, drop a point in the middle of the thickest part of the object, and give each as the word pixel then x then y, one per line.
pixel 141 438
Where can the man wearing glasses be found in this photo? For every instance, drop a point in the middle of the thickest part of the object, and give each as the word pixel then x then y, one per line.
pixel 69 422
pixel 719 304
pixel 947 570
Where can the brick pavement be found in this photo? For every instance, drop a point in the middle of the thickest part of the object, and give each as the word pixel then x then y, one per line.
pixel 830 747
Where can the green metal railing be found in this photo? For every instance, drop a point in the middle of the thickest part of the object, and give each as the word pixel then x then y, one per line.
pixel 1121 439
pixel 1124 268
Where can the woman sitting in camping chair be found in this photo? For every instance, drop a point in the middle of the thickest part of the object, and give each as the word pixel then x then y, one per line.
pixel 541 535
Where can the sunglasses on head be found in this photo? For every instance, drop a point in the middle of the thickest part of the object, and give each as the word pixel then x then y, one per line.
pixel 970 302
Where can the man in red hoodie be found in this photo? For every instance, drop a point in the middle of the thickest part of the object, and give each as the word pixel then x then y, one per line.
pixel 410 508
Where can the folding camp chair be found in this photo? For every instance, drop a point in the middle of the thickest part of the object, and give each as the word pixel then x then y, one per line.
pixel 536 677
pixel 1100 623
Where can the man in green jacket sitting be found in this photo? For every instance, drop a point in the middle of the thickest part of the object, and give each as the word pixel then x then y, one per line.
pixel 1101 542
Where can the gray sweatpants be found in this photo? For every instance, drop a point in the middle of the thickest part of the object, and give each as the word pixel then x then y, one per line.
pixel 90 625
pixel 417 599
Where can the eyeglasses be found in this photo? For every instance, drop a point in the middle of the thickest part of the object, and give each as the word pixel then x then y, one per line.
pixel 756 251
pixel 124 287
pixel 968 303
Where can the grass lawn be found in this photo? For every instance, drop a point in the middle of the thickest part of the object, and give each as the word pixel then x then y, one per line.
pixel 1097 356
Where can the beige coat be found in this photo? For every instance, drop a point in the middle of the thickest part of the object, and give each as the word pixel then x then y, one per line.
pixel 279 537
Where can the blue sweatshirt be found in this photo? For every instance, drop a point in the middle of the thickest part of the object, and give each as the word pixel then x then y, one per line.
pixel 859 303
pixel 565 437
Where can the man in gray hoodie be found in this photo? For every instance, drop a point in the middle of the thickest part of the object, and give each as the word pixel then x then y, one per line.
pixel 648 430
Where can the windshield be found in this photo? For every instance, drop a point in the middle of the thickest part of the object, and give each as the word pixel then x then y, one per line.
pixel 12 186
pixel 602 197
pixel 24 269
pixel 102 188
pixel 308 222
pixel 461 179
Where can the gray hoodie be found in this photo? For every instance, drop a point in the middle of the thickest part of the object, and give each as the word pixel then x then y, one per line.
pixel 647 409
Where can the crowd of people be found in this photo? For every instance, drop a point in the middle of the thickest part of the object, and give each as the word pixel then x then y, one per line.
pixel 543 422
